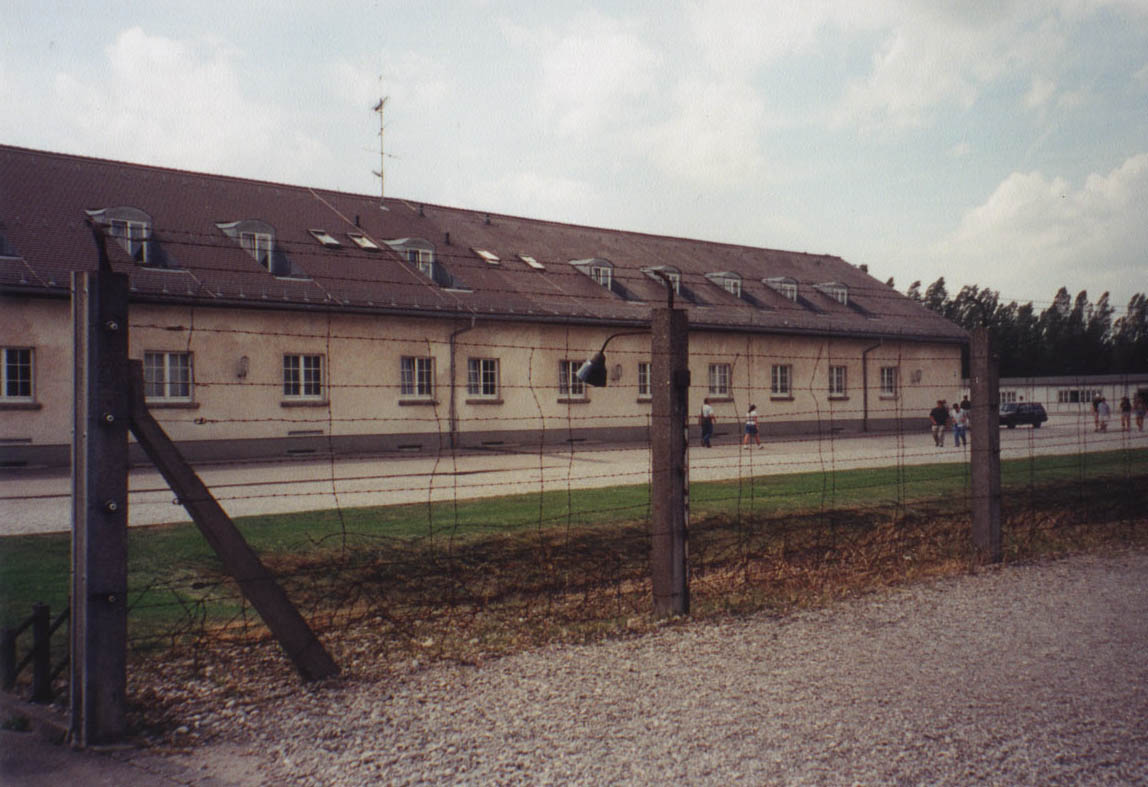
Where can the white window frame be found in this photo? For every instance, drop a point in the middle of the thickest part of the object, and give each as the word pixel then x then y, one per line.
pixel 362 241
pixel 719 377
pixel 781 379
pixel 732 286
pixel 416 377
pixel 645 374
pixel 1007 397
pixel 602 274
pixel 326 238
pixel 16 385
pixel 838 381
pixel 260 245
pixel 569 386
pixel 423 259
pixel 303 376
pixel 482 378
pixel 788 290
pixel 889 380
pixel 168 376
pixel 132 235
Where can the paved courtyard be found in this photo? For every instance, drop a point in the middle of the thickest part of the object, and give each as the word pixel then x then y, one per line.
pixel 33 501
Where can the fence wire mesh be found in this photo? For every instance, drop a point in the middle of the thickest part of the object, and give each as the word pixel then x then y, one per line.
pixel 464 552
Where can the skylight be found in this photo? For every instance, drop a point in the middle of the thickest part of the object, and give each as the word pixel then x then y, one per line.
pixel 362 241
pixel 326 238
pixel 489 256
pixel 532 262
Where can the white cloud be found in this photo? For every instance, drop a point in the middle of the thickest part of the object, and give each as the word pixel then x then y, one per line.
pixel 532 194
pixel 1035 234
pixel 735 37
pixel 1039 94
pixel 596 78
pixel 713 137
pixel 177 104
pixel 939 57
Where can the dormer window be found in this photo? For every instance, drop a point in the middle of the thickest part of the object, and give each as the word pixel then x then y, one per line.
pixel 488 256
pixel 326 238
pixel 257 238
pixel 423 260
pixel 132 236
pixel 663 273
pixel 259 245
pixel 420 254
pixel 728 281
pixel 598 269
pixel 784 285
pixel 835 290
pixel 131 228
pixel 362 241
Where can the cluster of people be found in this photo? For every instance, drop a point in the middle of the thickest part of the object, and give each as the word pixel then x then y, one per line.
pixel 942 418
pixel 1102 412
pixel 707 419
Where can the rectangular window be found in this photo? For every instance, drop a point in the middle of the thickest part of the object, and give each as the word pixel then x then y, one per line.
pixel 781 380
pixel 719 377
pixel 303 376
pixel 362 241
pixel 258 245
pixel 416 376
pixel 326 238
pixel 16 373
pixel 167 376
pixel 568 382
pixel 132 235
pixel 1008 397
pixel 888 380
pixel 732 286
pixel 482 377
pixel 837 380
pixel 602 275
pixel 644 391
pixel 788 289
pixel 422 259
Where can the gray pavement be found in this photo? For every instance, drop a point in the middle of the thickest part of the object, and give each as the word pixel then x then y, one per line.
pixel 39 501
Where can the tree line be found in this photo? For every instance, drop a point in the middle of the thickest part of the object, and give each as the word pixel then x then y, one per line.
pixel 1071 336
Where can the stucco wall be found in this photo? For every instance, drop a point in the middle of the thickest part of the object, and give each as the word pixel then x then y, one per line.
pixel 239 407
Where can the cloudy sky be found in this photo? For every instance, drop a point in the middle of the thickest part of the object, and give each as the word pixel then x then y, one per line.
pixel 1004 144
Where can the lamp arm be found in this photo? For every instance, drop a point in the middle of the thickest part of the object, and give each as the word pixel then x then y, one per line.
pixel 623 333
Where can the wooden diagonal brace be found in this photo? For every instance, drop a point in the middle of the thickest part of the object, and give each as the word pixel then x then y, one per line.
pixel 239 559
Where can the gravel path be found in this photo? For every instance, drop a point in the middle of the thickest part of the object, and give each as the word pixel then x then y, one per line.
pixel 1034 674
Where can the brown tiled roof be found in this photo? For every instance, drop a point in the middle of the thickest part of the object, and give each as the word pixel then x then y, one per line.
pixel 45 236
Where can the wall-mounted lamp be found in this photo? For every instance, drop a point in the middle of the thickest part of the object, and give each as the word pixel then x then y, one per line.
pixel 593 372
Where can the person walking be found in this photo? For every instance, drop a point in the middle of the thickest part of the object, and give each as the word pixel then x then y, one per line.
pixel 1103 413
pixel 751 427
pixel 707 422
pixel 939 419
pixel 1125 415
pixel 960 426
pixel 1141 408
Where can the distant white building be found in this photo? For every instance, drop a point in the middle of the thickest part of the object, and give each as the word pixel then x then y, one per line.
pixel 1072 394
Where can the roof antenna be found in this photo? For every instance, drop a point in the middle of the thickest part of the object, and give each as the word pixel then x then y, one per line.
pixel 382 154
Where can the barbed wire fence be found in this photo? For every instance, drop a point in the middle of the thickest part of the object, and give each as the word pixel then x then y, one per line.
pixel 484 555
